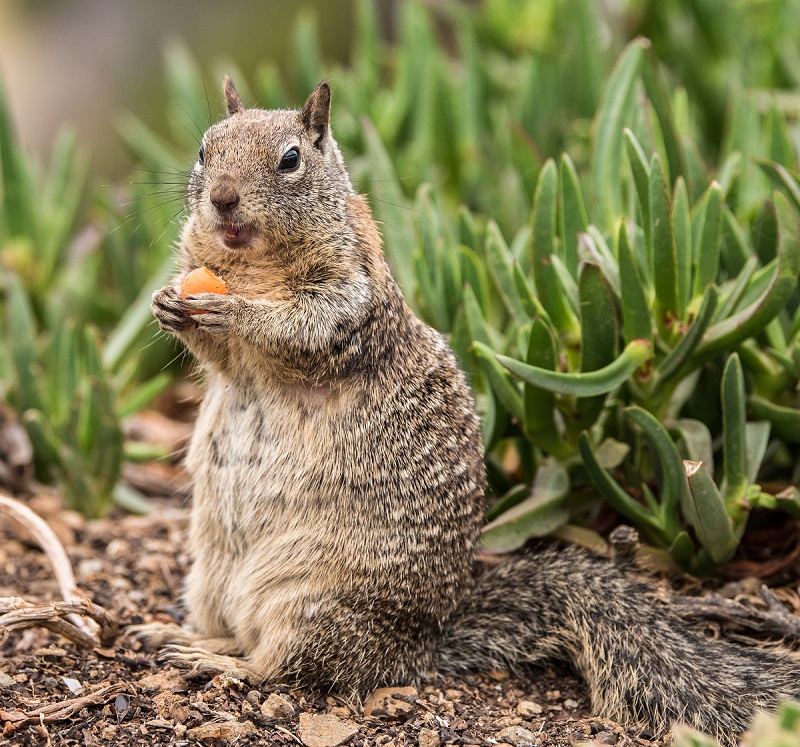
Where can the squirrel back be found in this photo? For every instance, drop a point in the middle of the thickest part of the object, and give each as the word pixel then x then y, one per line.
pixel 339 475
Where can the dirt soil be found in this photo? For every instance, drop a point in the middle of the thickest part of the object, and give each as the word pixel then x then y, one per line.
pixel 121 695
pixel 134 566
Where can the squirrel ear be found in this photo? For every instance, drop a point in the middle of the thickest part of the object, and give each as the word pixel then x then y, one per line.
pixel 231 96
pixel 316 113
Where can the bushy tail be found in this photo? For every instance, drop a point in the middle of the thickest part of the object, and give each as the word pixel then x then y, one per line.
pixel 644 667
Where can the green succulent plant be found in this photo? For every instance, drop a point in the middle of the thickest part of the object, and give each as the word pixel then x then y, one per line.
pixel 605 330
pixel 613 266
pixel 70 363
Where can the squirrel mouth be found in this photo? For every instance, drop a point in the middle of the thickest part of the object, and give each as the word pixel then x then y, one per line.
pixel 235 237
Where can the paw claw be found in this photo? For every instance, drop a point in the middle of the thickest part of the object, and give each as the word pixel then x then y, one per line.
pixel 169 310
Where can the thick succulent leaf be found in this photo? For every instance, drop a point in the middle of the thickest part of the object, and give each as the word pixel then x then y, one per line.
pixel 391 211
pixel 706 258
pixel 608 125
pixel 135 319
pixel 501 267
pixel 779 142
pixel 735 249
pixel 664 267
pixel 526 294
pixel 683 245
pixel 16 205
pixel 658 96
pixel 683 550
pixel 765 233
pixel 568 284
pixel 22 330
pixel 640 167
pixel 572 216
pixel 733 419
pixel 473 273
pixel 697 440
pixel 785 420
pixel 748 322
pixel 679 355
pixel 708 514
pixel 511 498
pixel 479 328
pixel 503 386
pixel 540 422
pixel 543 511
pixel 543 242
pixel 636 317
pixel 672 478
pixel 594 248
pixel 622 501
pixel 784 179
pixel 590 384
pixel 599 335
pixel 756 440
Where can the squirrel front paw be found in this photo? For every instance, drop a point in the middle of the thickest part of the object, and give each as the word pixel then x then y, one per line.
pixel 212 312
pixel 170 310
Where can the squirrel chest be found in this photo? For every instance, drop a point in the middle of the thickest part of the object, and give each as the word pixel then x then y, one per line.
pixel 264 451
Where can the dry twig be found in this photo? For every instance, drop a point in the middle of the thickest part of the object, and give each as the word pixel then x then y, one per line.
pixel 17 613
pixel 85 623
pixel 775 620
pixel 64 709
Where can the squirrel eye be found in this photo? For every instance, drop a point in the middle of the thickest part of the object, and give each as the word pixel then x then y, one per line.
pixel 201 153
pixel 290 160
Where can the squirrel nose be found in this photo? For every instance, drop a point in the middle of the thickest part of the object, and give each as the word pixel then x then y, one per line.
pixel 224 195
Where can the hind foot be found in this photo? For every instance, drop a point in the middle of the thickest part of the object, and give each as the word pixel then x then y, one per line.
pixel 199 661
pixel 155 635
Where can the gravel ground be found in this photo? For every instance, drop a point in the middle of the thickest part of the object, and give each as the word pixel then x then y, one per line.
pixel 53 693
pixel 120 695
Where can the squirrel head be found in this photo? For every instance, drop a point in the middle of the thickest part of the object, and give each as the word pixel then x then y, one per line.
pixel 268 180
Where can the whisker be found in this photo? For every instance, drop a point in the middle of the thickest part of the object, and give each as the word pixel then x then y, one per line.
pixel 208 103
pixel 166 228
pixel 395 204
pixel 186 173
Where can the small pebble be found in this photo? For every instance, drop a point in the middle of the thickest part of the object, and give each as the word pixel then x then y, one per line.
pixel 606 737
pixel 528 708
pixel 383 699
pixel 74 685
pixel 276 706
pixel 324 730
pixel 229 731
pixel 517 736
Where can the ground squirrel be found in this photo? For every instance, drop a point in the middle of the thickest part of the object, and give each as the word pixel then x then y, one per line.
pixel 339 476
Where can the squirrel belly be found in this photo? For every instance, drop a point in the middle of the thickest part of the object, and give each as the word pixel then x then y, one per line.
pixel 339 475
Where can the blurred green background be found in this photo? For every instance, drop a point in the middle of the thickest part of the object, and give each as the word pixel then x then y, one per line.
pixel 86 62
pixel 596 202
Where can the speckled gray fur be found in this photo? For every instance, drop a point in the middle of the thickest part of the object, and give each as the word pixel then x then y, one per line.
pixel 339 477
